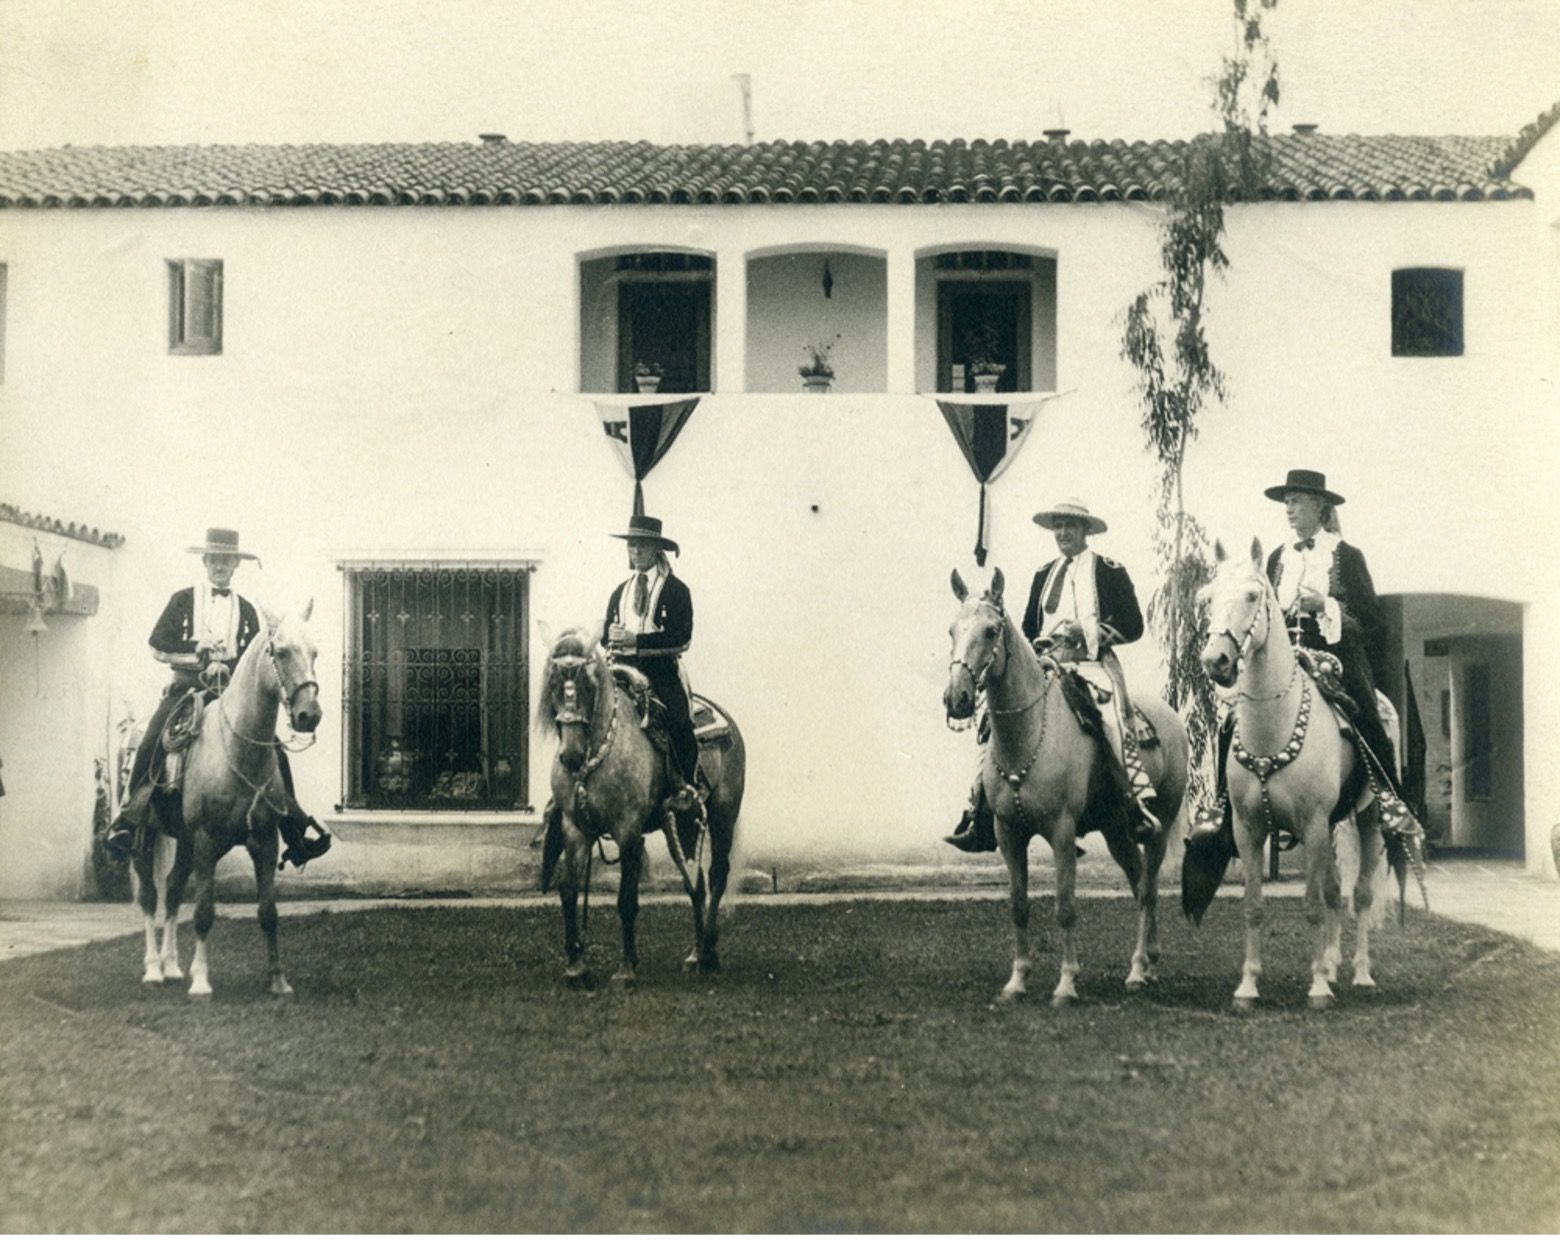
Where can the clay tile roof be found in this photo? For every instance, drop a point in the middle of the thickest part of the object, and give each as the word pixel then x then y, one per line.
pixel 69 529
pixel 1311 167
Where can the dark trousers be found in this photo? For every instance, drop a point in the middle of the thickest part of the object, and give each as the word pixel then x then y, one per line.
pixel 667 685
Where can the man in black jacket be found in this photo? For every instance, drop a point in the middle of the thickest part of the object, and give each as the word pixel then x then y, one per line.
pixel 201 634
pixel 649 624
pixel 1081 604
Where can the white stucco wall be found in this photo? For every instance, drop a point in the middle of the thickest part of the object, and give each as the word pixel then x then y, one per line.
pixel 55 718
pixel 399 380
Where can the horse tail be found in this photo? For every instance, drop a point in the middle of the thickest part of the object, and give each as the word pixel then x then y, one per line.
pixel 1207 857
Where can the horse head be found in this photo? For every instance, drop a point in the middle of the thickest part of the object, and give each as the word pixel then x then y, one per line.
pixel 574 678
pixel 1240 613
pixel 289 663
pixel 979 636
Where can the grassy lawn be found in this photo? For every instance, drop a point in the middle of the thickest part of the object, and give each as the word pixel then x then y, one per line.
pixel 845 1072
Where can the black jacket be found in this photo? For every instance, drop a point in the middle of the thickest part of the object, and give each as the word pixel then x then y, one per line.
pixel 1113 589
pixel 1348 581
pixel 174 632
pixel 673 617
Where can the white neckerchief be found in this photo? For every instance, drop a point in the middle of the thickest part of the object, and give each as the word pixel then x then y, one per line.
pixel 1311 566
pixel 1079 603
pixel 655 578
pixel 215 619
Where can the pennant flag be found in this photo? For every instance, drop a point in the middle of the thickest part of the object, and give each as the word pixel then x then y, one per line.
pixel 643 432
pixel 990 435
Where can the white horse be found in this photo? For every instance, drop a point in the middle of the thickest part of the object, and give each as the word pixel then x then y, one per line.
pixel 1044 776
pixel 1290 768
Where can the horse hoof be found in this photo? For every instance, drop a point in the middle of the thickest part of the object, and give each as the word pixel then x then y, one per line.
pixel 1063 1001
pixel 280 988
pixel 711 962
pixel 152 977
pixel 1319 1003
pixel 1006 997
pixel 1136 985
pixel 202 993
pixel 172 973
pixel 624 980
pixel 1367 984
pixel 1243 1005
pixel 690 962
pixel 578 979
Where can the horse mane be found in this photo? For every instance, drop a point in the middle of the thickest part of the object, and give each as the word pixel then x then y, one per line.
pixel 575 643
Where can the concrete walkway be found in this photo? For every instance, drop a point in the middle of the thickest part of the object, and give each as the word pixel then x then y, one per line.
pixel 1496 894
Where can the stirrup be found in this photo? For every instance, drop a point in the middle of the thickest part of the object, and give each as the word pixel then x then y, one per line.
pixel 685 798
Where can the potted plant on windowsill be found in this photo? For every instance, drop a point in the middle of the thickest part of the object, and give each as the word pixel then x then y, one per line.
pixel 982 347
pixel 817 372
pixel 647 375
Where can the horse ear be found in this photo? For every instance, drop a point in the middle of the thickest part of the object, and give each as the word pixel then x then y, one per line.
pixel 1219 554
pixel 1256 551
pixel 270 617
pixel 960 590
pixel 308 610
pixel 997 582
pixel 544 631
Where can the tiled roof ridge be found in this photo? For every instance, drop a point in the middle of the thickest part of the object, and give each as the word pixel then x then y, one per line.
pixel 1308 167
pixel 52 525
pixel 1529 137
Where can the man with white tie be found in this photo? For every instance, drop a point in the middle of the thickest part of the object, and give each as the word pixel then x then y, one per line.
pixel 1082 604
pixel 205 626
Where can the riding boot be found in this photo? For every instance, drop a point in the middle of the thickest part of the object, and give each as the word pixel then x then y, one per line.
pixel 120 840
pixel 302 846
pixel 977 829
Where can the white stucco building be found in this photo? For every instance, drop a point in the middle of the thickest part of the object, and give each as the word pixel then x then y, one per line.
pixel 382 365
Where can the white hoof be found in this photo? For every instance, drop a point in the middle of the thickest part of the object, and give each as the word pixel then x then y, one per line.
pixel 1244 1004
pixel 153 975
pixel 1061 998
pixel 279 987
pixel 1319 1003
pixel 171 971
pixel 1011 994
pixel 200 990
pixel 1137 982
pixel 624 979
pixel 1364 981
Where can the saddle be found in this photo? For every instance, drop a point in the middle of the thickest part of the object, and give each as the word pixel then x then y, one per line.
pixel 1084 698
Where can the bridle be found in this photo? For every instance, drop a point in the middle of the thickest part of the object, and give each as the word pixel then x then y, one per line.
pixel 572 715
pixel 287 693
pixel 981 676
pixel 1244 644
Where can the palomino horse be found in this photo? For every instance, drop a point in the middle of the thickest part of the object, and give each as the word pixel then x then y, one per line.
pixel 1291 768
pixel 232 794
pixel 609 780
pixel 1044 776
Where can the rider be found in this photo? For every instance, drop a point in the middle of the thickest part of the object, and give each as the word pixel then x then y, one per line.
pixel 203 628
pixel 1090 595
pixel 1329 603
pixel 649 624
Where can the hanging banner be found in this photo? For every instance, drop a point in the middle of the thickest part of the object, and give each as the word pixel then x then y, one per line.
pixel 989 433
pixel 643 431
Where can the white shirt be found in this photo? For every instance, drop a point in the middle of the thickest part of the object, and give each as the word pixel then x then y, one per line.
pixel 1311 567
pixel 1079 601
pixel 216 618
pixel 655 578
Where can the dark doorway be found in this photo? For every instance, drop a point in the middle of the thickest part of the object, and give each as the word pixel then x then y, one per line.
pixel 666 324
pixel 984 319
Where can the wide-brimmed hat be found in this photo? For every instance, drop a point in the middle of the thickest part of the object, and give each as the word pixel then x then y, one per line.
pixel 1304 480
pixel 1070 510
pixel 221 542
pixel 648 528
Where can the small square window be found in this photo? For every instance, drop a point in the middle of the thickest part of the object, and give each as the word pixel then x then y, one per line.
pixel 194 305
pixel 1427 312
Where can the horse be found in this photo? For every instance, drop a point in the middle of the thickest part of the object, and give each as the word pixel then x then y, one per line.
pixel 1044 775
pixel 1294 770
pixel 609 779
pixel 232 794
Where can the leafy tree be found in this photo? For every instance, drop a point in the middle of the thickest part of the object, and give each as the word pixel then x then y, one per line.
pixel 1165 340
